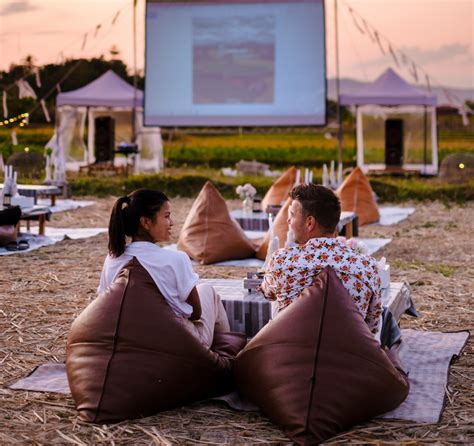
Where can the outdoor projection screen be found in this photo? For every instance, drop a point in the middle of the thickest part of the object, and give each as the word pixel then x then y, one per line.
pixel 235 63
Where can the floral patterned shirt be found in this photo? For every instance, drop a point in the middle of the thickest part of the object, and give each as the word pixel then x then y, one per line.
pixel 293 269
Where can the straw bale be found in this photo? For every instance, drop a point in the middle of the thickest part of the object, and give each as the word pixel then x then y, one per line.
pixel 41 292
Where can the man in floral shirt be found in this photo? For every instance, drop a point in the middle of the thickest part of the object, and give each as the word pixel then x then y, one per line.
pixel 313 218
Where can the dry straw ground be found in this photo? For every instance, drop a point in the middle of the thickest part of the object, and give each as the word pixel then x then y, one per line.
pixel 41 292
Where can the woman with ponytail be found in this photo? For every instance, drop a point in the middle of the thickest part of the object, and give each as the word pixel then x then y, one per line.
pixel 144 216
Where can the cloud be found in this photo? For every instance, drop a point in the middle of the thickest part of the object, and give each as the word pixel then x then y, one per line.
pixel 15 7
pixel 425 56
pixel 422 57
pixel 54 32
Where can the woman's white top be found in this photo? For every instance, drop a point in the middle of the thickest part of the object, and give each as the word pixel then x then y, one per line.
pixel 171 271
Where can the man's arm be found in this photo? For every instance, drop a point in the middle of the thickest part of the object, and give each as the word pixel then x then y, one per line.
pixel 268 287
pixel 375 305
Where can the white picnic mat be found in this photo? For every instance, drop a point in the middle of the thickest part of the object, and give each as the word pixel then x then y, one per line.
pixel 391 215
pixel 372 245
pixel 63 205
pixel 425 355
pixel 52 236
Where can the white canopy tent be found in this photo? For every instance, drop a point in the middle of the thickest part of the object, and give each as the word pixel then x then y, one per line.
pixel 390 94
pixel 108 95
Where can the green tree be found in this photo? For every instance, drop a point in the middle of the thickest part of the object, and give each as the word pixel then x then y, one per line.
pixel 69 75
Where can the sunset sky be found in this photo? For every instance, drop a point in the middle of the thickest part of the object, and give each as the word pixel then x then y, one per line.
pixel 438 35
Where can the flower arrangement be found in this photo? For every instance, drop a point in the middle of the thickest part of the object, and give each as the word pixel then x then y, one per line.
pixel 356 245
pixel 246 191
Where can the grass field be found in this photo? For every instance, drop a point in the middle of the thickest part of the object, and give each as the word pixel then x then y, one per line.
pixel 192 159
pixel 305 147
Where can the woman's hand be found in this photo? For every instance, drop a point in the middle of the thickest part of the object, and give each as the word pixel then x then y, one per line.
pixel 194 301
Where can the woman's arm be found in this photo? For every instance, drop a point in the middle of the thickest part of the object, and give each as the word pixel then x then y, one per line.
pixel 193 300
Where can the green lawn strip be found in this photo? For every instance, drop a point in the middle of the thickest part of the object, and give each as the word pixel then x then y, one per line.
pixel 188 185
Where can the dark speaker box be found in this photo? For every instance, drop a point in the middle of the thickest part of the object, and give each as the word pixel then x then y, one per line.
pixel 104 139
pixel 393 142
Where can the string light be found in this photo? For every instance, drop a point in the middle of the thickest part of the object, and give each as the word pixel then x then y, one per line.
pixel 22 118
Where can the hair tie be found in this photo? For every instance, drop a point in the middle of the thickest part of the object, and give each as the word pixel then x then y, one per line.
pixel 125 202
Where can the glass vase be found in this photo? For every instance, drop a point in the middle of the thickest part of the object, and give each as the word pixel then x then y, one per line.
pixel 247 205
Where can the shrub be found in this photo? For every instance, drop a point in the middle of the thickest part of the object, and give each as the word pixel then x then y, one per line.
pixel 387 189
pixel 27 164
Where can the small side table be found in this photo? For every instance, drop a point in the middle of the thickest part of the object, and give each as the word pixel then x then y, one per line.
pixel 38 213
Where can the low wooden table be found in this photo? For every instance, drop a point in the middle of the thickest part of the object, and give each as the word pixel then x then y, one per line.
pixel 249 312
pixel 38 190
pixel 258 221
pixel 37 213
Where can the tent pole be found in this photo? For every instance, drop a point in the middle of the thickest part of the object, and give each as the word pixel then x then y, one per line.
pixel 134 108
pixel 425 130
pixel 338 106
pixel 434 140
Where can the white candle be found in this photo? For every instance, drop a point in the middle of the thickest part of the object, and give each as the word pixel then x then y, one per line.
pixel 270 222
pixel 339 174
pixel 332 175
pixel 325 176
pixel 306 176
pixel 298 175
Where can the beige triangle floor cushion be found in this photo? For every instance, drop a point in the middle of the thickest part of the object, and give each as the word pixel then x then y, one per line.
pixel 278 192
pixel 280 228
pixel 316 370
pixel 210 234
pixel 357 196
pixel 129 356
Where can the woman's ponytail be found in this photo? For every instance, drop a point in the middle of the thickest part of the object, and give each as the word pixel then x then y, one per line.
pixel 116 227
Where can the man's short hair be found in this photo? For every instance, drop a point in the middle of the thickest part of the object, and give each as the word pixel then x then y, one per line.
pixel 319 202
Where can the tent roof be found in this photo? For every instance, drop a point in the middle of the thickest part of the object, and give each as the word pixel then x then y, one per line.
pixel 108 90
pixel 388 89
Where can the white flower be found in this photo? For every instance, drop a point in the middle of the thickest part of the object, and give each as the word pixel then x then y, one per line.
pixel 356 245
pixel 246 191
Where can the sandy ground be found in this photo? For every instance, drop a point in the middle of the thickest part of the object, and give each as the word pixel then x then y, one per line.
pixel 43 291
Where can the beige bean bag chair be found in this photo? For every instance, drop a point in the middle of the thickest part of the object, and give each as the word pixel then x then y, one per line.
pixel 280 228
pixel 316 370
pixel 278 193
pixel 129 356
pixel 210 234
pixel 357 196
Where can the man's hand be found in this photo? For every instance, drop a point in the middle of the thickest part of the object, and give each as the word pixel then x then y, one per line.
pixel 266 290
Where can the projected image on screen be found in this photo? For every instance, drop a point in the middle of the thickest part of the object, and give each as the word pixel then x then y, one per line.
pixel 233 60
pixel 235 63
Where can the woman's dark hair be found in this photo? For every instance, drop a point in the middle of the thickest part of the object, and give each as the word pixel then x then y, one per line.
pixel 126 213
pixel 319 202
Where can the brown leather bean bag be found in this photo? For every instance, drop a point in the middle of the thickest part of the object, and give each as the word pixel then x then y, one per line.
pixel 316 370
pixel 278 193
pixel 129 356
pixel 357 196
pixel 280 228
pixel 210 234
